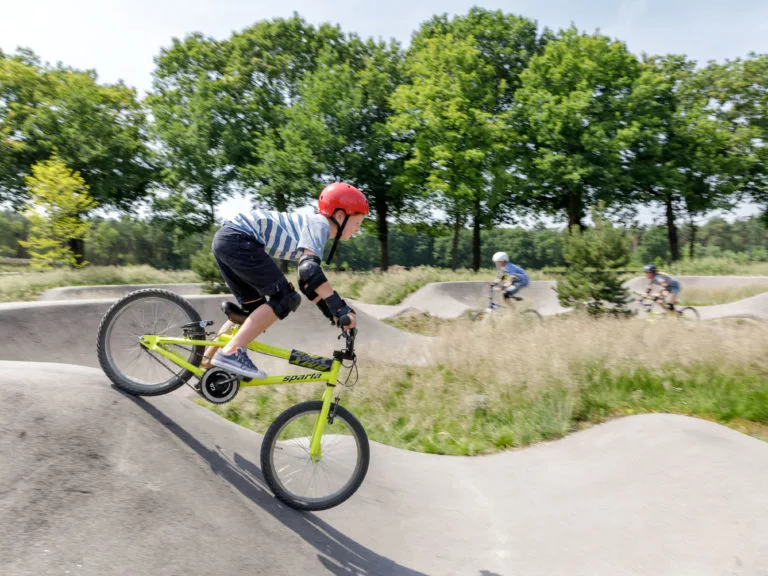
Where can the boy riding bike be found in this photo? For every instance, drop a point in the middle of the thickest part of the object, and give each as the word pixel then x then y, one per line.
pixel 518 278
pixel 670 287
pixel 242 248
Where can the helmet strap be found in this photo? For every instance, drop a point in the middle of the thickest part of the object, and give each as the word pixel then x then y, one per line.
pixel 339 230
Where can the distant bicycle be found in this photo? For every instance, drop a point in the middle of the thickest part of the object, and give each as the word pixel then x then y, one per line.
pixel 653 305
pixel 511 306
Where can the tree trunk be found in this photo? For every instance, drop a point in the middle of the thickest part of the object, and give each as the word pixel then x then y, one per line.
pixel 211 211
pixel 382 228
pixel 674 244
pixel 476 236
pixel 574 211
pixel 77 245
pixel 455 244
pixel 691 246
pixel 21 252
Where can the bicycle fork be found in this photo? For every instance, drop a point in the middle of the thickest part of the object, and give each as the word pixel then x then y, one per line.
pixel 315 447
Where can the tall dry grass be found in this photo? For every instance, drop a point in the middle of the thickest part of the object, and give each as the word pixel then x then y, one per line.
pixel 717 267
pixel 704 296
pixel 29 286
pixel 507 384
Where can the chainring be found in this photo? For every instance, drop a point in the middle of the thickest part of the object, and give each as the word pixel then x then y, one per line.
pixel 219 386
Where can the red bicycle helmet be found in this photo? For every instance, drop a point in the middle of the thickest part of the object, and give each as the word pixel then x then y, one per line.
pixel 341 196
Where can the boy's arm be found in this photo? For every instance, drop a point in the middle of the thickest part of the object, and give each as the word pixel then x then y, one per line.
pixel 315 286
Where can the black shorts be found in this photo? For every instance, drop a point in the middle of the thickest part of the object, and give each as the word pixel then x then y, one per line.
pixel 245 266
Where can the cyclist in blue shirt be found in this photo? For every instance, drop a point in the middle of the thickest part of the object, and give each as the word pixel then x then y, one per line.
pixel 670 287
pixel 518 278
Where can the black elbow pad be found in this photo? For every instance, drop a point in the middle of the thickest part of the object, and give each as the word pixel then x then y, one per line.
pixel 310 275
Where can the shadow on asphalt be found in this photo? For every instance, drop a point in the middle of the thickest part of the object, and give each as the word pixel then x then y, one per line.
pixel 338 553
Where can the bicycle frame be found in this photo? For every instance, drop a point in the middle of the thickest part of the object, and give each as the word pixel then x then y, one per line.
pixel 329 375
pixel 654 307
pixel 492 304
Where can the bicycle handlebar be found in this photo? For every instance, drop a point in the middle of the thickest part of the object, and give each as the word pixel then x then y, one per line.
pixel 349 336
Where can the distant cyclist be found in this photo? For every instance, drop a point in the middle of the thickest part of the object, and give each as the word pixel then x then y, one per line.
pixel 518 278
pixel 670 287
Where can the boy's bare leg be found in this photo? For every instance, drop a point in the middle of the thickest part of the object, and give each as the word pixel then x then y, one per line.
pixel 211 350
pixel 259 320
pixel 672 301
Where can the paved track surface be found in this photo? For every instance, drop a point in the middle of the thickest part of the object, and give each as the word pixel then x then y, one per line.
pixel 113 291
pixel 93 482
pixel 97 483
pixel 66 332
pixel 453 299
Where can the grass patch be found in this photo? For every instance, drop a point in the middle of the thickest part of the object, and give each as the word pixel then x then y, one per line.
pixel 703 296
pixel 29 285
pixel 506 385
pixel 717 267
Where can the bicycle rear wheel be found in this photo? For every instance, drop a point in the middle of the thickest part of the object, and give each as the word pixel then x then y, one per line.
pixel 131 366
pixel 690 313
pixel 294 477
pixel 531 315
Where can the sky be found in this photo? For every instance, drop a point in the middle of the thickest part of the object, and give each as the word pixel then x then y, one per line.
pixel 120 38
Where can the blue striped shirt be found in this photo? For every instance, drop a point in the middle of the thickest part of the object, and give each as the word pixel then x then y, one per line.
pixel 284 235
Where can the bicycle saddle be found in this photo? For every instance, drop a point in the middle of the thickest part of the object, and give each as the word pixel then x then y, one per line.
pixel 234 312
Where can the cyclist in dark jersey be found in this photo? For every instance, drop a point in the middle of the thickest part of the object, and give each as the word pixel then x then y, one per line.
pixel 670 287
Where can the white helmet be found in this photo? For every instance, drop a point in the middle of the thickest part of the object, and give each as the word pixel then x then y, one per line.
pixel 500 257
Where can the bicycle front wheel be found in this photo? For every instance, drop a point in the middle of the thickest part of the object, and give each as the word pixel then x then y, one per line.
pixel 294 477
pixel 131 366
pixel 477 316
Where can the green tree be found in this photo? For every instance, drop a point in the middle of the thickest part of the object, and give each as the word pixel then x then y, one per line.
pixel 443 110
pixel 220 107
pixel 740 89
pixel 101 245
pixel 196 146
pixel 337 130
pixel 268 63
pixel 96 129
pixel 684 155
pixel 13 227
pixel 653 246
pixel 497 48
pixel 58 203
pixel 572 123
pixel 594 256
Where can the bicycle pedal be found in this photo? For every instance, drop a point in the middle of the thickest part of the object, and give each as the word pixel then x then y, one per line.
pixel 199 324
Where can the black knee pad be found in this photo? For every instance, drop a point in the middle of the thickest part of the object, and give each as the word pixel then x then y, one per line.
pixel 285 301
